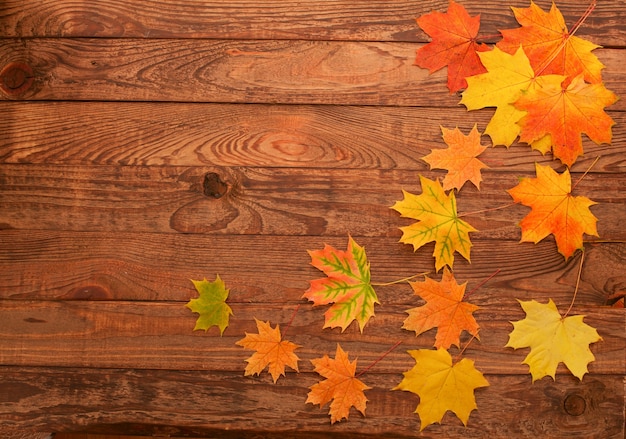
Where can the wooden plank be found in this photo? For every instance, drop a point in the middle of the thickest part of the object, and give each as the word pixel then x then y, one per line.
pixel 308 136
pixel 159 335
pixel 262 71
pixel 369 20
pixel 227 405
pixel 276 269
pixel 276 201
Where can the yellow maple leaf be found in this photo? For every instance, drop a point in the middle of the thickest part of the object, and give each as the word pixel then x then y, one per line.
pixel 441 385
pixel 437 221
pixel 340 386
pixel 554 210
pixel 270 350
pixel 459 159
pixel 553 339
pixel 211 304
pixel 507 77
pixel 444 309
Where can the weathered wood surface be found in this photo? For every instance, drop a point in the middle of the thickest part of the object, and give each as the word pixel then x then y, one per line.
pixel 148 143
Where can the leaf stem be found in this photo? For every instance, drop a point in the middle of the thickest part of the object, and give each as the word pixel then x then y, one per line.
pixel 580 270
pixel 291 320
pixel 456 359
pixel 586 172
pixel 491 276
pixel 393 282
pixel 379 358
pixel 486 210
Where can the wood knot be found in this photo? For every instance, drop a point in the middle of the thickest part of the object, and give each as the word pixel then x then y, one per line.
pixel 213 186
pixel 574 405
pixel 16 78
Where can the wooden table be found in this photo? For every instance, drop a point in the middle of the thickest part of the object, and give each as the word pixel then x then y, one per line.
pixel 147 143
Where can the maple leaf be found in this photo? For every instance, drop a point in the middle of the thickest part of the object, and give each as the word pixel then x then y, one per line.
pixel 550 46
pixel 437 221
pixel 270 350
pixel 453 44
pixel 459 158
pixel 564 113
pixel 554 210
pixel 507 77
pixel 552 339
pixel 340 386
pixel 347 285
pixel 211 305
pixel 442 386
pixel 444 310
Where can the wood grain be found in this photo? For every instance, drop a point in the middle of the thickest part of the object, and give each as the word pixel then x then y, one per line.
pixel 273 269
pixel 366 20
pixel 159 335
pixel 274 201
pixel 175 403
pixel 264 71
pixel 260 135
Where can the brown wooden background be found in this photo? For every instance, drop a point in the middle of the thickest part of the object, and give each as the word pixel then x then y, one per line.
pixel 146 143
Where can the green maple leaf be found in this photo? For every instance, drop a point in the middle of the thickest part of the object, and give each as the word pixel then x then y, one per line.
pixel 437 221
pixel 211 305
pixel 347 286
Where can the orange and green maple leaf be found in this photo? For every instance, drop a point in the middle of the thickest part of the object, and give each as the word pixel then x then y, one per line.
pixel 553 339
pixel 444 310
pixel 271 350
pixel 442 386
pixel 438 221
pixel 459 159
pixel 347 285
pixel 211 305
pixel 453 44
pixel 340 386
pixel 564 112
pixel 554 210
pixel 551 48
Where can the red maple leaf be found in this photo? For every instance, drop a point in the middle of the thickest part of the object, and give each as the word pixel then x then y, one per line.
pixel 453 44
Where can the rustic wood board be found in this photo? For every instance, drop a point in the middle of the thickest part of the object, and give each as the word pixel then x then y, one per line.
pixel 148 143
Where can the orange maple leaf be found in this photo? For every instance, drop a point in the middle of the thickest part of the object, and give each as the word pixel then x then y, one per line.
pixel 554 210
pixel 459 159
pixel 340 386
pixel 453 44
pixel 565 113
pixel 347 287
pixel 551 48
pixel 444 309
pixel 270 350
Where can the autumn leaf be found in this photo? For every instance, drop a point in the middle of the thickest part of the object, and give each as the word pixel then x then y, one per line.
pixel 211 305
pixel 444 310
pixel 552 339
pixel 347 285
pixel 453 44
pixel 437 221
pixel 340 386
pixel 550 46
pixel 270 350
pixel 554 210
pixel 442 386
pixel 564 114
pixel 507 77
pixel 459 159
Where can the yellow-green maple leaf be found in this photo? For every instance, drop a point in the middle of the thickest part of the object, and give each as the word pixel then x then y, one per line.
pixel 507 77
pixel 437 221
pixel 553 339
pixel 211 305
pixel 441 385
